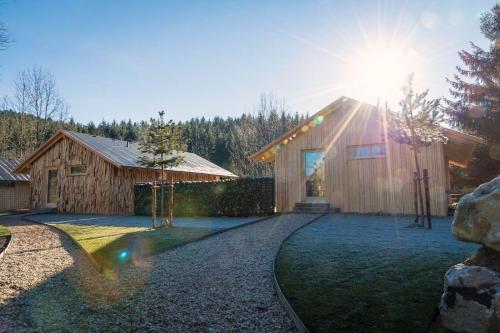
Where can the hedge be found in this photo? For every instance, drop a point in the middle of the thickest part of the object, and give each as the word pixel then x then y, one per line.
pixel 238 197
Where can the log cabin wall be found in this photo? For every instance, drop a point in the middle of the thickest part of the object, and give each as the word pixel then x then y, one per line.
pixel 14 195
pixel 366 185
pixel 104 189
pixel 89 193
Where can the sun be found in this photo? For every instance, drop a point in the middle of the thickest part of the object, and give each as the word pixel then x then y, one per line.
pixel 378 72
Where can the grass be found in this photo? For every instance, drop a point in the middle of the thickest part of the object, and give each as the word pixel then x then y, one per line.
pixel 4 231
pixel 111 246
pixel 371 276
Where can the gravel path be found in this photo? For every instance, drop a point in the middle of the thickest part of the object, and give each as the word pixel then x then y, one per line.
pixel 222 283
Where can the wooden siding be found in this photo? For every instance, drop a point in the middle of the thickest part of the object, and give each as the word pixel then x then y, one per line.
pixel 362 185
pixel 105 189
pixel 14 195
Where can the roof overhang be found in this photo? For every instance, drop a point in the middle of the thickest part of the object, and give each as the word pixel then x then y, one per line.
pixel 60 134
pixel 460 146
pixel 25 166
pixel 268 152
pixel 458 149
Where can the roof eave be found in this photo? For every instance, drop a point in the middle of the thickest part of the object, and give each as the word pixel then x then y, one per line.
pixel 25 165
pixel 465 136
pixel 257 156
pixel 231 175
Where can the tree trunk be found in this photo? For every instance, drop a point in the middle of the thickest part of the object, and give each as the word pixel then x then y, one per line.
pixel 162 196
pixel 171 202
pixel 153 204
pixel 419 185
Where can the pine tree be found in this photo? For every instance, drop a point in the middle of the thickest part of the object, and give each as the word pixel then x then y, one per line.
pixel 475 106
pixel 161 146
pixel 417 125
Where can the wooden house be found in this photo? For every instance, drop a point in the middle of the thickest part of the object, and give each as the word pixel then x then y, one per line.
pixel 14 188
pixel 82 173
pixel 342 156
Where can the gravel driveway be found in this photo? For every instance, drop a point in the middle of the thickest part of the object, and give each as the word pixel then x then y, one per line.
pixel 222 283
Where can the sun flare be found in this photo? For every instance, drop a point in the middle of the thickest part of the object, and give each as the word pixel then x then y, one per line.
pixel 379 72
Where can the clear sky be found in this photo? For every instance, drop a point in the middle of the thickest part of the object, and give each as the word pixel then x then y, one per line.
pixel 129 59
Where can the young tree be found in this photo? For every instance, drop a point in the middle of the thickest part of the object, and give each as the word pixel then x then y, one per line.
pixel 475 106
pixel 417 124
pixel 161 146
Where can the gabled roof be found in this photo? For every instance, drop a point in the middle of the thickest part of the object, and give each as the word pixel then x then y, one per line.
pixel 458 149
pixel 7 166
pixel 123 154
pixel 267 153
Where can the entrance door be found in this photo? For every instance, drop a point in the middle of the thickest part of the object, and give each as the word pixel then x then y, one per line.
pixel 52 188
pixel 314 163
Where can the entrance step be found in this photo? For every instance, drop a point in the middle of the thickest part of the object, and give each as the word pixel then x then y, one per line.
pixel 314 207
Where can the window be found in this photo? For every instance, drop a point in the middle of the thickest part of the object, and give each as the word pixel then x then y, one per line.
pixel 367 151
pixel 76 170
pixel 314 163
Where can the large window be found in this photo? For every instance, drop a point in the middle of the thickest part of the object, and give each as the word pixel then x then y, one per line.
pixel 314 161
pixel 76 170
pixel 366 151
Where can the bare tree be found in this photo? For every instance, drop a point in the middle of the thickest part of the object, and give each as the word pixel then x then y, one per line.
pixel 36 95
pixel 5 39
pixel 253 132
pixel 272 118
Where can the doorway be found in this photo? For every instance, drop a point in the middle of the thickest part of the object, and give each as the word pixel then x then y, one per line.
pixel 314 172
pixel 52 188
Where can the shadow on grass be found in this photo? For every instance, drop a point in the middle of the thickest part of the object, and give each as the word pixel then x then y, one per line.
pixel 136 247
pixel 74 298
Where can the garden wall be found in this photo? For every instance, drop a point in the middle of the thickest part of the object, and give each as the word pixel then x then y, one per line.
pixel 237 197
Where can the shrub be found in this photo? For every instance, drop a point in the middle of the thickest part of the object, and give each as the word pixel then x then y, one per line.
pixel 236 197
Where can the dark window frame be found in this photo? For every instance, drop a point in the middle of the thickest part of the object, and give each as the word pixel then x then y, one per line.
pixel 71 173
pixel 367 151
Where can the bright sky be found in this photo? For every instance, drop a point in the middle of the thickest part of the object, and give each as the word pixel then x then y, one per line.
pixel 129 59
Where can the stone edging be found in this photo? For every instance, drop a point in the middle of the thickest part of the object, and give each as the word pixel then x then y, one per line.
pixel 98 266
pixel 288 307
pixel 9 239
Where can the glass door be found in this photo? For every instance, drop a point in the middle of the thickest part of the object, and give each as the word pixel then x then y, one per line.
pixel 314 163
pixel 52 187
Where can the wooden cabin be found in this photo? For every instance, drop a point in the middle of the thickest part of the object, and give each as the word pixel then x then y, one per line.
pixel 342 156
pixel 14 188
pixel 82 173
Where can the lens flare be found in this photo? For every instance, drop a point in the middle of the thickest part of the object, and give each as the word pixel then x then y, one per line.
pixel 318 120
pixel 123 255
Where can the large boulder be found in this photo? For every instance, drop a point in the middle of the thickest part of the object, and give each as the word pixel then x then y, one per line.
pixel 477 217
pixel 471 300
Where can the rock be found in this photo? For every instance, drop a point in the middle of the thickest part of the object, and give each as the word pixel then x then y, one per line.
pixel 485 257
pixel 471 300
pixel 477 217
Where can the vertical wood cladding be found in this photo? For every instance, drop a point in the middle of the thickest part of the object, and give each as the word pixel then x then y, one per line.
pixel 368 185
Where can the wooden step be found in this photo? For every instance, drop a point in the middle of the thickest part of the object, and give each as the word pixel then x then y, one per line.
pixel 314 207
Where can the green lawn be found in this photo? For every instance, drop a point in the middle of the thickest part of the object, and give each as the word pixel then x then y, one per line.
pixel 4 231
pixel 111 246
pixel 352 273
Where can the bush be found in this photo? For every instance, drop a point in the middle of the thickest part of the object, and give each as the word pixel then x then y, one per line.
pixel 237 197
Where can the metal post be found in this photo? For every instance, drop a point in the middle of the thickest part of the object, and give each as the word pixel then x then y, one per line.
pixel 415 196
pixel 427 198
